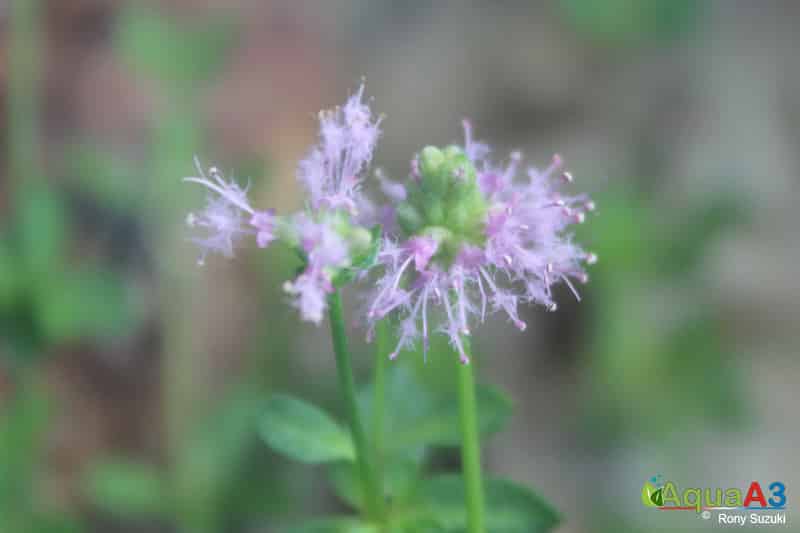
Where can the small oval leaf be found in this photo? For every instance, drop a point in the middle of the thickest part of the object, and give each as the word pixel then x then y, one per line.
pixel 303 432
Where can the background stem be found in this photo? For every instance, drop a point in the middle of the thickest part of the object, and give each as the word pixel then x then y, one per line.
pixel 372 497
pixel 470 449
pixel 379 400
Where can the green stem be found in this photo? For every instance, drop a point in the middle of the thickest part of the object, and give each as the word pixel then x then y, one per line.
pixel 372 497
pixel 382 347
pixel 470 449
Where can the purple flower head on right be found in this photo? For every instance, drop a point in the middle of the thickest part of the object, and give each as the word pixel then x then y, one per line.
pixel 472 237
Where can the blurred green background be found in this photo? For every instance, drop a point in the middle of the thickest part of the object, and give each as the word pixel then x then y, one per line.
pixel 130 380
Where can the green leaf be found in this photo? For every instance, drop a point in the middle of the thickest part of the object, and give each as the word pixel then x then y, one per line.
pixel 510 508
pixel 432 417
pixel 333 525
pixel 304 432
pixel 400 473
pixel 344 481
pixel 126 489
pixel 83 304
pixel 494 410
pixel 41 221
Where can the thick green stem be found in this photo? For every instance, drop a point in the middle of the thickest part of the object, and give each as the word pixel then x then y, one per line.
pixel 470 448
pixel 372 496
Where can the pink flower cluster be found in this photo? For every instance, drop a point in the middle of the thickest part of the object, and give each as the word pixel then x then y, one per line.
pixel 524 252
pixel 332 174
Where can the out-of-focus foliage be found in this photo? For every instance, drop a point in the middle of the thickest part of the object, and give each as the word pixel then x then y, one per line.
pixel 46 296
pixel 201 490
pixel 656 349
pixel 127 489
pixel 24 419
pixel 179 57
pixel 631 21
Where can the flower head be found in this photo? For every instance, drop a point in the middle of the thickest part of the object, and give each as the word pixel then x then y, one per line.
pixel 479 238
pixel 327 235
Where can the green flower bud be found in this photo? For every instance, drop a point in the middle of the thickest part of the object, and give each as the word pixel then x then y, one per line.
pixel 430 159
pixel 445 202
pixel 360 240
pixel 409 219
pixel 433 208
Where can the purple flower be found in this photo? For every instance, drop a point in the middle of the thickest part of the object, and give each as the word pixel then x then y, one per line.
pixel 480 239
pixel 223 222
pixel 328 234
pixel 265 223
pixel 332 171
pixel 325 252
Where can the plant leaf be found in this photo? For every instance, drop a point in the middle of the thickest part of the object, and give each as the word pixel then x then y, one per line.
pixel 343 479
pixel 432 417
pixel 400 473
pixel 441 426
pixel 303 432
pixel 510 508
